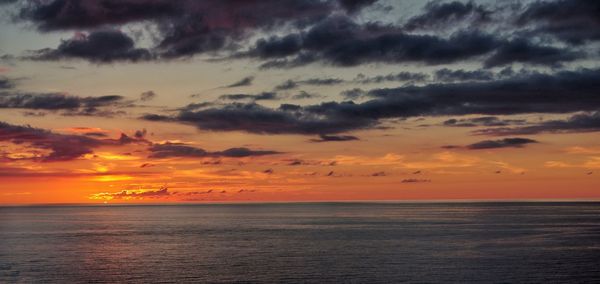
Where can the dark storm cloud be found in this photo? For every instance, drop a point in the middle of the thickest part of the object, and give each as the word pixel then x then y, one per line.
pixel 342 42
pixel 392 77
pixel 523 51
pixel 353 6
pixel 171 150
pixel 447 75
pixel 313 31
pixel 103 46
pixel 183 28
pixel 502 143
pixel 246 81
pixel 587 122
pixel 259 119
pixel 562 92
pixel 573 21
pixel 334 138
pixel 441 15
pixel 212 14
pixel 82 14
pixel 482 121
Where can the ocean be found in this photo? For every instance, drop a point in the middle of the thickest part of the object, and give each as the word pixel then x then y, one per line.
pixel 490 242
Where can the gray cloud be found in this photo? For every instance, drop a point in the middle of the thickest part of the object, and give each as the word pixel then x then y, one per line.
pixel 438 15
pixel 147 96
pixel 447 75
pixel 482 121
pixel 170 150
pixel 587 122
pixel 562 92
pixel 102 46
pixel 334 138
pixel 246 81
pixel 502 143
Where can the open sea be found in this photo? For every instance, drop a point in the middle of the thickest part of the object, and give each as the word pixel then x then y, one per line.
pixel 534 242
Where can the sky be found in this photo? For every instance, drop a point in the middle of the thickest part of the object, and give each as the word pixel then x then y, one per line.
pixel 127 101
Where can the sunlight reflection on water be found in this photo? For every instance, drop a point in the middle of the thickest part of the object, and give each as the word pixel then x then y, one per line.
pixel 327 242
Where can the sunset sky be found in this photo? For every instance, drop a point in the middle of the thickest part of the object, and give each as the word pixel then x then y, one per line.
pixel 307 100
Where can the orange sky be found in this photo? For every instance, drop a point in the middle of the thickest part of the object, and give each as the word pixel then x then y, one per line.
pixel 238 101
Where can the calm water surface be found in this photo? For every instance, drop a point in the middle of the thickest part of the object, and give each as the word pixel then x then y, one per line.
pixel 319 243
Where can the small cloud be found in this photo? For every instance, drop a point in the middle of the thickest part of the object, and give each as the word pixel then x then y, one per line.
pixel 147 96
pixel 502 143
pixel 246 81
pixel 163 192
pixel 414 180
pixel 334 138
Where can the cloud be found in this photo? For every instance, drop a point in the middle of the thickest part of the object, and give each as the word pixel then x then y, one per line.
pixel 300 32
pixel 258 119
pixel 573 21
pixel 414 180
pixel 340 41
pixel 147 96
pixel 6 83
pixel 259 97
pixel 447 75
pixel 438 15
pixel 182 28
pixel 334 138
pixel 243 152
pixel 172 150
pixel 304 95
pixel 354 6
pixel 133 194
pixel 482 121
pixel 502 143
pixel 61 147
pixel 102 46
pixel 353 94
pixel 246 81
pixel 287 85
pixel 562 92
pixel 291 84
pixel 523 51
pixel 586 122
pixel 169 150
pixel 71 105
pixel 392 77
